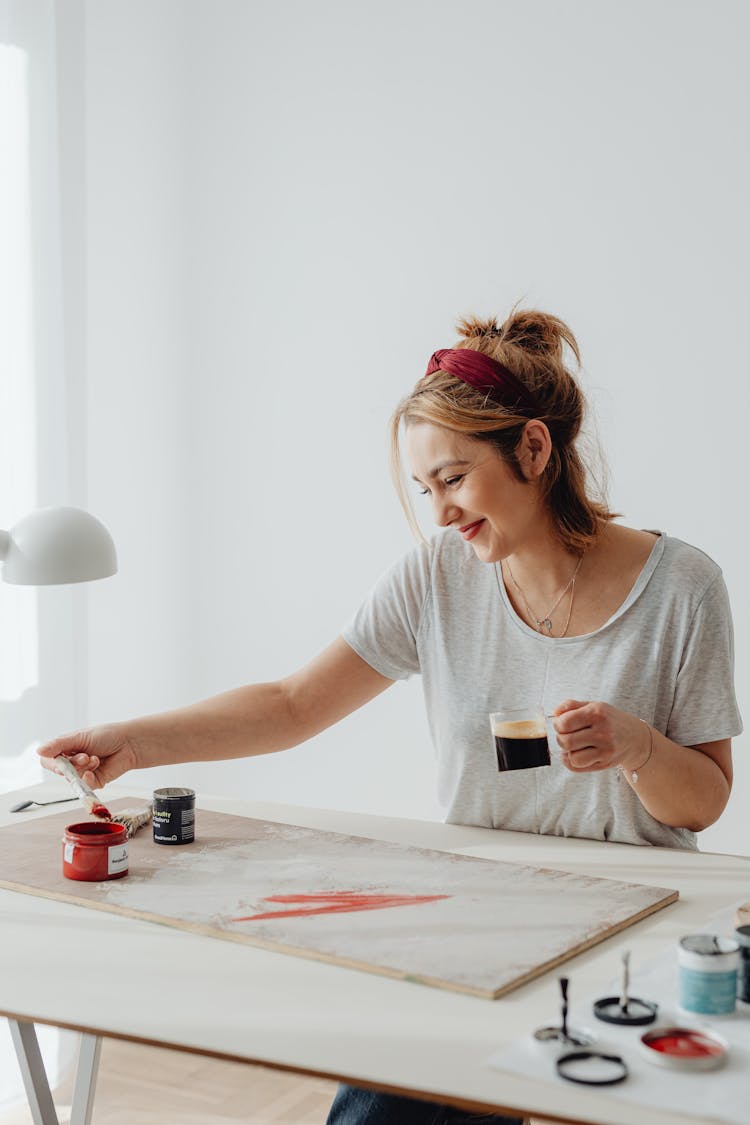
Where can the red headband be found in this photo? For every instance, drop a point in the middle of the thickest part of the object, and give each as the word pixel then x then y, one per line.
pixel 485 374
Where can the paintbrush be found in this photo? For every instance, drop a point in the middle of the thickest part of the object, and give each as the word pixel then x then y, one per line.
pixel 64 766
pixel 131 819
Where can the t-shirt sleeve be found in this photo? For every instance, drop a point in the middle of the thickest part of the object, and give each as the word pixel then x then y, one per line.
pixel 385 628
pixel 705 706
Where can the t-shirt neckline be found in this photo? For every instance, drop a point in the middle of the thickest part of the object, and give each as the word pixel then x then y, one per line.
pixel 635 592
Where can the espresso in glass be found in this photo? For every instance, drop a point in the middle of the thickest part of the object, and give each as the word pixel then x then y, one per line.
pixel 520 735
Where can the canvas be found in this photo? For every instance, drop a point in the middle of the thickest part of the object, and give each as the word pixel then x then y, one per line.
pixel 474 925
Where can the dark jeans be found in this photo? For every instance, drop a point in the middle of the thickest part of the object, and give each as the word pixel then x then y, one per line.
pixel 366 1107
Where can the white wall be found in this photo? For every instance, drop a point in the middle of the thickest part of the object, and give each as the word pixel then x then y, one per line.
pixel 288 206
pixel 138 384
pixel 38 680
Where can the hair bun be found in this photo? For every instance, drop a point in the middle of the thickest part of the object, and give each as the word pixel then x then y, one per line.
pixel 539 334
pixel 471 327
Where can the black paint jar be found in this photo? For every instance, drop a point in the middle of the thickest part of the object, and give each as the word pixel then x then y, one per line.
pixel 174 816
pixel 742 934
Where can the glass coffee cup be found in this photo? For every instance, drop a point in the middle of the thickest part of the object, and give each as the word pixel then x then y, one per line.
pixel 520 735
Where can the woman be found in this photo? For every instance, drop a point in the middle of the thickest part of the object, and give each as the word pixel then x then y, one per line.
pixel 531 592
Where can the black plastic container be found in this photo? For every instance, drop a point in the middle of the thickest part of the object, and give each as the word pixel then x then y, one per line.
pixel 742 933
pixel 174 816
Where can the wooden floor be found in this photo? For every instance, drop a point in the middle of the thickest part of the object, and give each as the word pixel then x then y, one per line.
pixel 140 1085
pixel 153 1086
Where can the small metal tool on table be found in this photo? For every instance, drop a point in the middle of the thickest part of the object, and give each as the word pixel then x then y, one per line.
pixel 625 1009
pixel 562 1034
pixel 579 1062
pixel 22 805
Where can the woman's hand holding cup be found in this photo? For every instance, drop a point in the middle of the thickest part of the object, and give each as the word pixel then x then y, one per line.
pixel 597 736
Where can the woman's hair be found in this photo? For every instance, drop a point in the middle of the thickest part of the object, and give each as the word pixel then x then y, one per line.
pixel 530 344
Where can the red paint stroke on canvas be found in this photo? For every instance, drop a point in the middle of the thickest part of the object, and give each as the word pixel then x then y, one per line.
pixel 340 902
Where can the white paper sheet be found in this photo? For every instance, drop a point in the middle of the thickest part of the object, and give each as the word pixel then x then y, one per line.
pixel 722 1094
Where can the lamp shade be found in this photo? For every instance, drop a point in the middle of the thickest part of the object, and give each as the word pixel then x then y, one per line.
pixel 57 545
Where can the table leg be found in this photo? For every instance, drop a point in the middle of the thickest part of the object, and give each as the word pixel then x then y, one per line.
pixel 88 1067
pixel 38 1093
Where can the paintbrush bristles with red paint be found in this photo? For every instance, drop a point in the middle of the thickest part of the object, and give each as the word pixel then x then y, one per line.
pixel 64 766
pixel 131 819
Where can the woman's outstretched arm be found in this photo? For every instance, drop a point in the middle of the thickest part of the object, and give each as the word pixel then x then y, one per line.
pixel 255 719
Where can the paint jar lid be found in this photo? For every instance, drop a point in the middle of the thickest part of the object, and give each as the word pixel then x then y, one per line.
pixel 742 933
pixel 633 1013
pixel 684 1048
pixel 592 1068
pixel 708 945
pixel 171 794
pixel 95 833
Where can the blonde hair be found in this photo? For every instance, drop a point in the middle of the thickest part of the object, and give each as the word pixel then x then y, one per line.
pixel 531 344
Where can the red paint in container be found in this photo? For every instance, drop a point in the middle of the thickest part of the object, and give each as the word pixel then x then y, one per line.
pixel 684 1048
pixel 94 851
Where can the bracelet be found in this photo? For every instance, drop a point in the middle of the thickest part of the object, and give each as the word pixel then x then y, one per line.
pixel 634 773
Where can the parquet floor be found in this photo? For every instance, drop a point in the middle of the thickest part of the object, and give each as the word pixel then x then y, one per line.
pixel 140 1085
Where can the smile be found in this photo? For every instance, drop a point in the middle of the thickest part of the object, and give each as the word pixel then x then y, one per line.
pixel 471 529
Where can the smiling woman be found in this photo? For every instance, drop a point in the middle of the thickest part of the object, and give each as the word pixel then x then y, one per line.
pixel 529 594
pixel 533 593
pixel 473 390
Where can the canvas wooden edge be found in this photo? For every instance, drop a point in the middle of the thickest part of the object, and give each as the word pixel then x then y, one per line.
pixel 742 915
pixel 596 939
pixel 343 962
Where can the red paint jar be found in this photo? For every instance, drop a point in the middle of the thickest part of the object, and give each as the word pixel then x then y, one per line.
pixel 95 850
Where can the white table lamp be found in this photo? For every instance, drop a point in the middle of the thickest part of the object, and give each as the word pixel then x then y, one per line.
pixel 56 545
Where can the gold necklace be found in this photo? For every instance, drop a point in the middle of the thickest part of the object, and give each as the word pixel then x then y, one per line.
pixel 545 623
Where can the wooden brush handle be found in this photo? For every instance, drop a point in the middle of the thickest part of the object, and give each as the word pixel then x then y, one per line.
pixel 64 766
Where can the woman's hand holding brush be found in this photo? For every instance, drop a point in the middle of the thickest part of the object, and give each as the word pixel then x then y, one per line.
pixel 100 755
pixel 132 819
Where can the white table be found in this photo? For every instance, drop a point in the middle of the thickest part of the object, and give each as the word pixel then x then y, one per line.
pixel 107 975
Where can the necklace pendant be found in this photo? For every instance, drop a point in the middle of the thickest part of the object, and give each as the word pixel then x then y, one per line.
pixel 545 623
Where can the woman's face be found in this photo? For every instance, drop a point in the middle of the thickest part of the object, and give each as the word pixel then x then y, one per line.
pixel 473 490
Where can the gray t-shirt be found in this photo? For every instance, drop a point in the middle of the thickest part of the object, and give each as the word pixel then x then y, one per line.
pixel 666 655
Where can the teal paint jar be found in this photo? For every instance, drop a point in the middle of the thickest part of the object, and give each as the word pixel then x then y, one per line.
pixel 707 968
